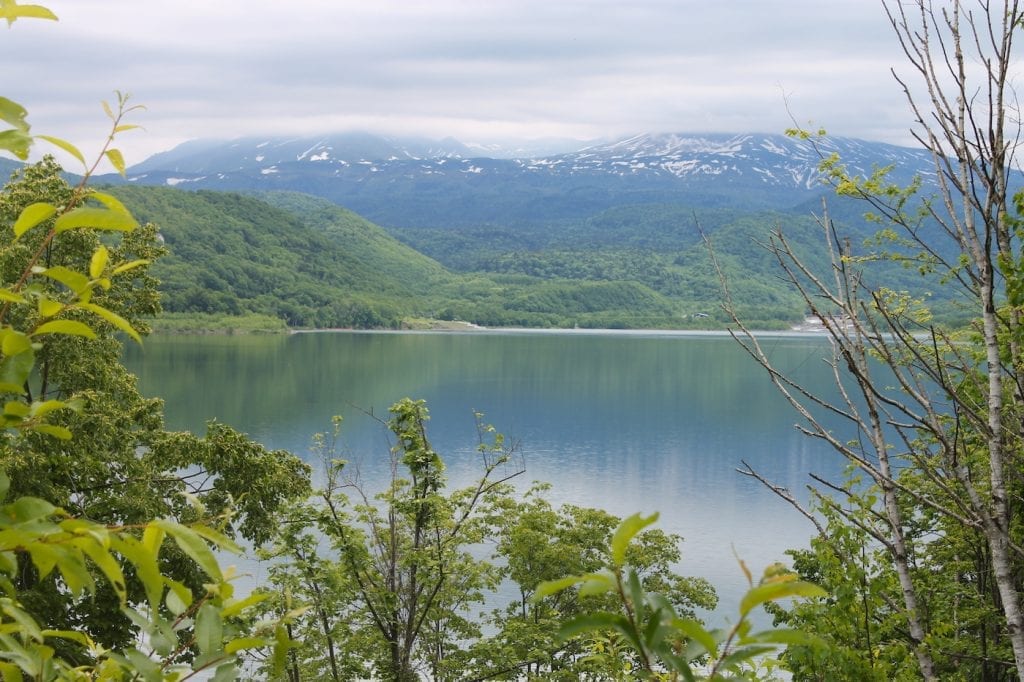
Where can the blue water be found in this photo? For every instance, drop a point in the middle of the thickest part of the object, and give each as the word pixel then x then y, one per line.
pixel 624 421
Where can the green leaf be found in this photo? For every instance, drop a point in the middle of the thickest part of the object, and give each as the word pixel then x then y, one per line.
pixel 14 371
pixel 625 533
pixel 58 432
pixel 655 630
pixel 70 327
pixel 116 160
pixel 209 633
pixel 780 636
pixel 694 630
pixel 49 307
pixel 193 545
pixel 236 607
pixel 143 665
pixel 216 538
pixel 12 11
pixel 125 267
pixel 110 201
pixel 145 561
pixel 175 604
pixel 106 562
pixel 778 590
pixel 113 318
pixel 743 654
pixel 28 624
pixel 597 583
pixel 11 112
pixel 599 622
pixel 226 672
pixel 181 593
pixel 29 508
pixel 243 643
pixel 16 142
pixel 14 342
pixel 549 587
pixel 44 557
pixel 8 295
pixel 76 575
pixel 152 538
pixel 73 280
pixel 95 218
pixel 65 145
pixel 16 408
pixel 32 215
pixel 98 262
pixel 10 672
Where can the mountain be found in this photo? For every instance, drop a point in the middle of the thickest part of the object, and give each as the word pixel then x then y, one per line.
pixel 769 160
pixel 410 184
pixel 261 156
pixel 8 166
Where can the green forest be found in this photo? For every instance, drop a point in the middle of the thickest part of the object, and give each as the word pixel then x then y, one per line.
pixel 309 263
pixel 312 264
pixel 114 529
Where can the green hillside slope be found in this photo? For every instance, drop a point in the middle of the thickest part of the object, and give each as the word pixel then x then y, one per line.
pixel 311 263
pixel 233 254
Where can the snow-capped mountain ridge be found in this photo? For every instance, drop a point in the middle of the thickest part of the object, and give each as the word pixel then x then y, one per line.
pixel 407 182
pixel 676 153
pixel 255 153
pixel 775 159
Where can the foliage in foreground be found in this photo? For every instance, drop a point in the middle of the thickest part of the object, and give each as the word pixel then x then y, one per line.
pixel 389 581
pixel 921 543
pixel 141 607
pixel 655 641
pixel 109 599
pixel 181 630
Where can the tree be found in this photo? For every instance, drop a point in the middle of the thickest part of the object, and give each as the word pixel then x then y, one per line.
pixel 389 576
pixel 123 467
pixel 656 641
pixel 935 416
pixel 75 432
pixel 537 542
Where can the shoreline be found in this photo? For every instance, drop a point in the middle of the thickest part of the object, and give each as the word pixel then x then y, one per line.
pixel 540 331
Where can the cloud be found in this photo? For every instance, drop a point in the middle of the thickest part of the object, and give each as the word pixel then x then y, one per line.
pixel 496 69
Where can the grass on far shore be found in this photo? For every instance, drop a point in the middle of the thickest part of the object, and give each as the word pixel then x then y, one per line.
pixel 209 323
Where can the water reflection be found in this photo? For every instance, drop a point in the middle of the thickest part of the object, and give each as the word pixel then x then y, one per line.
pixel 627 422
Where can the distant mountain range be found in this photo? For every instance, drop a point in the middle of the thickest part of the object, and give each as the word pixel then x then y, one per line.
pixel 411 184
pixel 607 234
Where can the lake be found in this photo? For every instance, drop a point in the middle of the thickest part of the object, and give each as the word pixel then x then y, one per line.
pixel 626 421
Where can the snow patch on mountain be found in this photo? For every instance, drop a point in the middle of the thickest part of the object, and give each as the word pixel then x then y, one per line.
pixel 669 161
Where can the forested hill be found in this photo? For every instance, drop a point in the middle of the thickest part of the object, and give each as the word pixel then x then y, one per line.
pixel 606 236
pixel 314 264
pixel 233 254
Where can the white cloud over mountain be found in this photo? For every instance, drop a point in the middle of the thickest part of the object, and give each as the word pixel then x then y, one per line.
pixel 478 71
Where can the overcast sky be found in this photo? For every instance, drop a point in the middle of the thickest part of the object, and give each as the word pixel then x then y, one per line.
pixel 476 70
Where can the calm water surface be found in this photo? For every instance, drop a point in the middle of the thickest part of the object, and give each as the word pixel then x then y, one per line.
pixel 625 421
